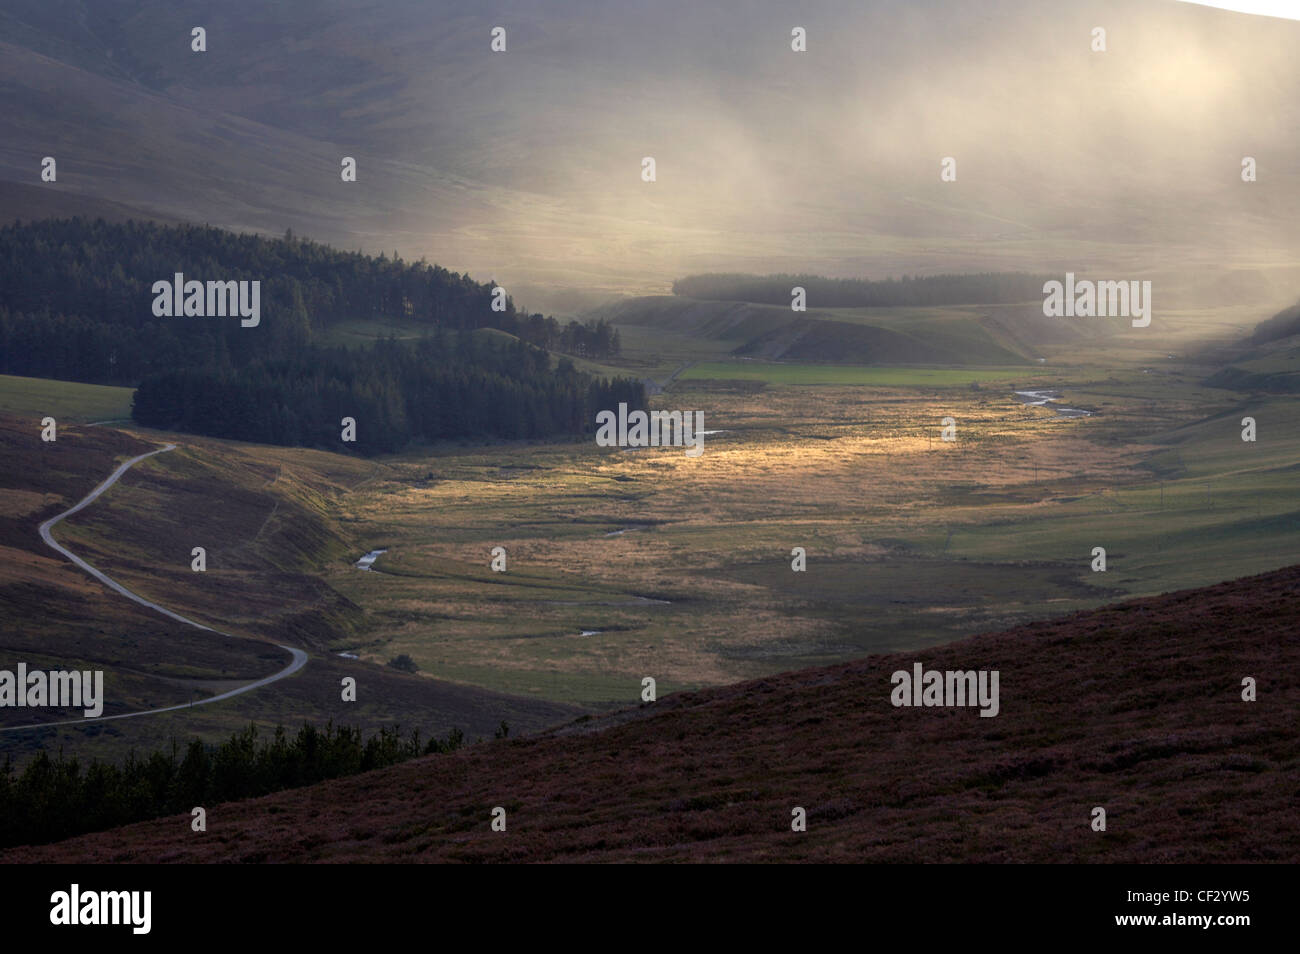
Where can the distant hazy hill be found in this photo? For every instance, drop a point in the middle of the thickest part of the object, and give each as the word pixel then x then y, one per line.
pixel 988 288
pixel 525 165
pixel 1282 325
pixel 997 335
pixel 1269 360
pixel 1092 714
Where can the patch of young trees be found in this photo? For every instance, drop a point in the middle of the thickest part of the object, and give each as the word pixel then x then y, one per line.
pixel 56 797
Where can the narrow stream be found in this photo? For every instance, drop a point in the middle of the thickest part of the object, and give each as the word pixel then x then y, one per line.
pixel 368 561
pixel 1047 397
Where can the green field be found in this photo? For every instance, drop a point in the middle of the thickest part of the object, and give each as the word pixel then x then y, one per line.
pixel 367 332
pixel 65 401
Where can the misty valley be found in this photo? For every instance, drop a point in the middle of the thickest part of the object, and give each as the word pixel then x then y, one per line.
pixel 864 432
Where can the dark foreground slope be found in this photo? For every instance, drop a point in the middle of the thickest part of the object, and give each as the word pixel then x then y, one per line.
pixel 1135 708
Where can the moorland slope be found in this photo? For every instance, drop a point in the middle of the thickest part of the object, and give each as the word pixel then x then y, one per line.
pixel 1136 708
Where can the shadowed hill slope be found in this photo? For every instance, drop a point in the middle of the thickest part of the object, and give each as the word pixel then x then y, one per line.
pixel 964 335
pixel 1136 708
pixel 265 519
pixel 519 165
pixel 1268 361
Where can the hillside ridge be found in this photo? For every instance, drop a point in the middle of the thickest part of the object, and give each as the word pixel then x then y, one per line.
pixel 1093 713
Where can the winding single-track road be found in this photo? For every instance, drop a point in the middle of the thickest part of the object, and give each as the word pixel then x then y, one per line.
pixel 299 657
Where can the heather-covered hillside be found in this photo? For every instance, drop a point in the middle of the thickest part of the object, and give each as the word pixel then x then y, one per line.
pixel 1136 708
